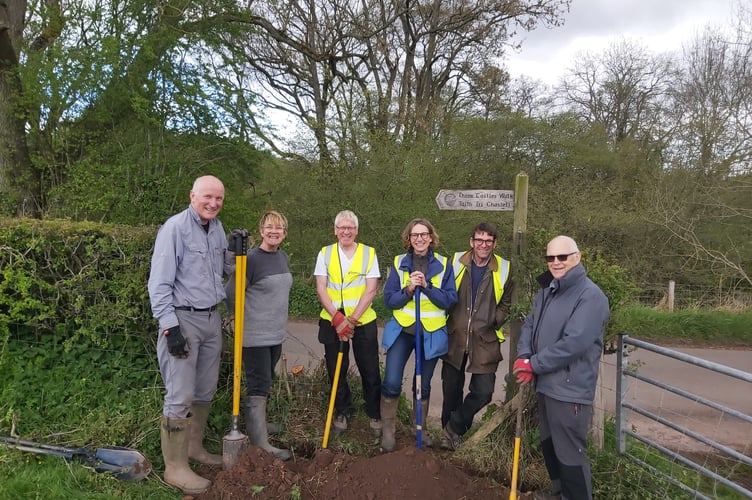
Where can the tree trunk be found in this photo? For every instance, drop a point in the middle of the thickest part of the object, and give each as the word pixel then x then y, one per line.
pixel 18 180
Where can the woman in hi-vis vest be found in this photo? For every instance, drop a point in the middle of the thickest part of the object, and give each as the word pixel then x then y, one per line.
pixel 420 268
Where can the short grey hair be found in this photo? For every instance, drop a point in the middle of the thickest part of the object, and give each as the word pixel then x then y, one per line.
pixel 346 215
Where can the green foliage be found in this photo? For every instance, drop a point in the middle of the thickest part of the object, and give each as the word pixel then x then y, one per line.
pixel 684 326
pixel 304 303
pixel 614 281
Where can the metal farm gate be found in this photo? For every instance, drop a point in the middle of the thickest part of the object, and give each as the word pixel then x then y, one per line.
pixel 627 375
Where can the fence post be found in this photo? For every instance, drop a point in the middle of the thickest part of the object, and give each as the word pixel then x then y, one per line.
pixel 671 291
pixel 599 410
pixel 621 441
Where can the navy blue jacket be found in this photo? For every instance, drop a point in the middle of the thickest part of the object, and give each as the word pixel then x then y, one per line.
pixel 395 297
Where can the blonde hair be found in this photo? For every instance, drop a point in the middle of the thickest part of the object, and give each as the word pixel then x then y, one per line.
pixel 274 218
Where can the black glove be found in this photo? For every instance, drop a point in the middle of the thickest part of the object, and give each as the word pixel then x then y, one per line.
pixel 176 343
pixel 237 241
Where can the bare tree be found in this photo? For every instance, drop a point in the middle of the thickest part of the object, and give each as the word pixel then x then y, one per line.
pixel 353 70
pixel 624 89
pixel 705 201
pixel 711 102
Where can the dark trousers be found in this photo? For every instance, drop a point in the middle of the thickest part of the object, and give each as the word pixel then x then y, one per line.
pixel 457 410
pixel 365 347
pixel 563 432
pixel 259 363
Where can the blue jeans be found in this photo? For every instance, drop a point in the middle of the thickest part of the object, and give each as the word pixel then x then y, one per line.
pixel 396 359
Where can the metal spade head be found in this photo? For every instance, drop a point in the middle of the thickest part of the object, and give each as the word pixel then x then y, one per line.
pixel 124 463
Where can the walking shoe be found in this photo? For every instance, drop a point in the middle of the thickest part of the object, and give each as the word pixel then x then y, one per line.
pixel 375 425
pixel 340 425
pixel 450 440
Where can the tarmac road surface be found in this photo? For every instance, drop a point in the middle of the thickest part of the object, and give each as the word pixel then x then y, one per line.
pixel 302 348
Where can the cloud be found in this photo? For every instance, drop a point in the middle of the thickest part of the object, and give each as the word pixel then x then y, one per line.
pixel 592 25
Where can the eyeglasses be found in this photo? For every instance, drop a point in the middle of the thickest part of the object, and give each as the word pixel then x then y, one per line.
pixel 346 228
pixel 560 258
pixel 274 228
pixel 481 241
pixel 422 236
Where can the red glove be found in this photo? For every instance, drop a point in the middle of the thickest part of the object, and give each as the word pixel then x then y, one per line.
pixel 345 329
pixel 523 371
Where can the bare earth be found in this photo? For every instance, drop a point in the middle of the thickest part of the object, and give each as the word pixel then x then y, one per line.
pixel 404 473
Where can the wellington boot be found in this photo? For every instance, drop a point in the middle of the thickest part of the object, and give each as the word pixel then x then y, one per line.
pixel 196 450
pixel 255 424
pixel 174 437
pixel 388 423
pixel 425 437
pixel 272 428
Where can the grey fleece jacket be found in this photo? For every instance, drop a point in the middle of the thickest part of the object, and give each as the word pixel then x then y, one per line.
pixel 563 336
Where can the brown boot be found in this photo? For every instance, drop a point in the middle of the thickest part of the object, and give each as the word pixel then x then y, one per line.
pixel 388 423
pixel 425 437
pixel 196 450
pixel 174 437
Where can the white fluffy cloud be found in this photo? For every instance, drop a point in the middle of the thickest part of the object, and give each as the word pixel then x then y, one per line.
pixel 592 25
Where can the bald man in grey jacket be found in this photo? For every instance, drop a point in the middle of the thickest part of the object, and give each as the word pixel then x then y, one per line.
pixel 559 350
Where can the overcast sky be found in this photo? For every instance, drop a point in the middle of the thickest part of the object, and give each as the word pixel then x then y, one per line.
pixel 592 25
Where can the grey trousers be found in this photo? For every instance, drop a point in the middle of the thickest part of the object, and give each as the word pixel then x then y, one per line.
pixel 564 429
pixel 195 377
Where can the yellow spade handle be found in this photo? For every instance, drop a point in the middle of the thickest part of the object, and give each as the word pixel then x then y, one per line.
pixel 240 267
pixel 332 397
pixel 515 469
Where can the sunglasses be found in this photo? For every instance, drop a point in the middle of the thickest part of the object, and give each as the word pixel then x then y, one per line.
pixel 560 258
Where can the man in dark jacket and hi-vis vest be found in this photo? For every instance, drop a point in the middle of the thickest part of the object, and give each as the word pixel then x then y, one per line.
pixel 484 291
pixel 560 348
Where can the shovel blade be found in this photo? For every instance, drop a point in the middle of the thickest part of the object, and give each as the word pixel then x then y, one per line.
pixel 232 446
pixel 124 463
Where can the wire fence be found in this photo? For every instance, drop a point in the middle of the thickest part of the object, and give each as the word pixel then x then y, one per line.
pixel 680 295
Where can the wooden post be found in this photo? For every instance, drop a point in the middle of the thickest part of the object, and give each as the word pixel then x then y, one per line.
pixel 671 290
pixel 598 421
pixel 519 239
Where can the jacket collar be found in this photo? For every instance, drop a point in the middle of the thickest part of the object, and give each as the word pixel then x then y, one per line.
pixel 467 258
pixel 574 275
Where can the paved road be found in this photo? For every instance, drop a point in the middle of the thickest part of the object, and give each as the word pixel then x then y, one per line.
pixel 302 347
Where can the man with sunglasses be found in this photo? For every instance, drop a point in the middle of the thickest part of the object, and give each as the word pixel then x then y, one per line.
pixel 559 350
pixel 484 291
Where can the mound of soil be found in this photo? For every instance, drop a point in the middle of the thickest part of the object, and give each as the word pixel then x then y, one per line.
pixel 331 474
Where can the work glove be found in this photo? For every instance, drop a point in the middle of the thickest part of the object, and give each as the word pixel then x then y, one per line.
pixel 176 343
pixel 523 371
pixel 344 328
pixel 235 241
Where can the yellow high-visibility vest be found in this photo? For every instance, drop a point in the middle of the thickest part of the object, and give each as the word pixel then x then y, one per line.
pixel 431 317
pixel 500 277
pixel 345 287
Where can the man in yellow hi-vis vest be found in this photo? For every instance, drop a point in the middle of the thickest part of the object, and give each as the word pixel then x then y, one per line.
pixel 347 275
pixel 484 291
